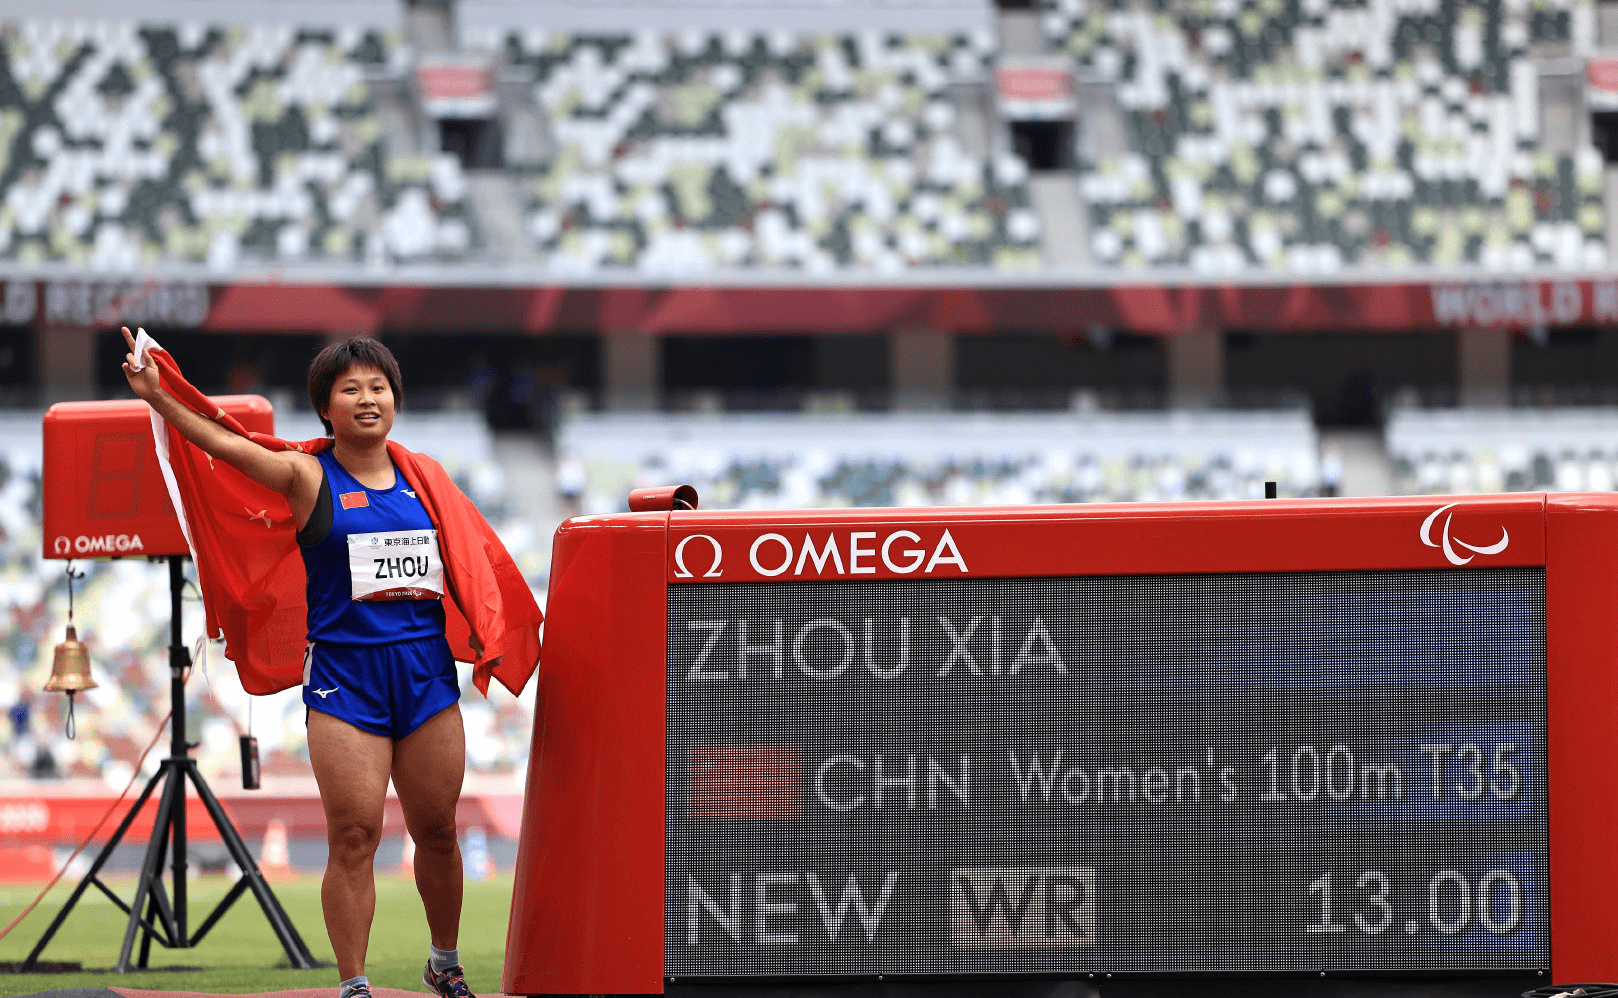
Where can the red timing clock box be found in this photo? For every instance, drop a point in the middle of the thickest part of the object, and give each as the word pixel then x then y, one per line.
pixel 103 488
pixel 1341 738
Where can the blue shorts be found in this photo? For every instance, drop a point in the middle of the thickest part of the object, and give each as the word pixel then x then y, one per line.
pixel 388 690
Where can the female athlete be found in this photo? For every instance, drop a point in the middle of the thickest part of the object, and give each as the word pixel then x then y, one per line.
pixel 379 677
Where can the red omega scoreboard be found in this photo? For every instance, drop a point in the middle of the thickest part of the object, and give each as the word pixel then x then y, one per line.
pixel 1350 737
pixel 103 488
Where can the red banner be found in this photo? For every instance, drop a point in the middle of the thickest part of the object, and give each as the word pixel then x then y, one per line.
pixel 1035 89
pixel 1033 83
pixel 1602 74
pixel 26 864
pixel 456 89
pixel 1160 309
pixel 866 310
pixel 65 820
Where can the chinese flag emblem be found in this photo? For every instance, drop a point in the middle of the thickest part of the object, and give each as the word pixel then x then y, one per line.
pixel 353 500
pixel 732 782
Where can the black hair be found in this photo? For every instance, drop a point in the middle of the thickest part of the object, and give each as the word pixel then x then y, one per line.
pixel 330 363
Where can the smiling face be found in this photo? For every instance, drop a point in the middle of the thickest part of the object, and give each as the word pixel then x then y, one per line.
pixel 361 405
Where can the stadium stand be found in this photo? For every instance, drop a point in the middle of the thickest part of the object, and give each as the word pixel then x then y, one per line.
pixel 129 143
pixel 1503 450
pixel 1318 135
pixel 690 152
pixel 958 459
pixel 1298 136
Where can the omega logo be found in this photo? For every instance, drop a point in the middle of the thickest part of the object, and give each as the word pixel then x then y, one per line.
pixel 769 547
pixel 97 544
pixel 713 572
pixel 850 552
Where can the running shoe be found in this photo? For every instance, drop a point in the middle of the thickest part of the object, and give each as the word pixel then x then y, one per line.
pixel 360 991
pixel 450 983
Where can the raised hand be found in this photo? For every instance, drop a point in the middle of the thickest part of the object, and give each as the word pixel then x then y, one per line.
pixel 143 382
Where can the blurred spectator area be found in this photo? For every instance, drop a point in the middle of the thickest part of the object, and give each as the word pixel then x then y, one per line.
pixel 1205 137
pixel 1313 136
pixel 691 151
pixel 1463 451
pixel 127 144
pixel 937 459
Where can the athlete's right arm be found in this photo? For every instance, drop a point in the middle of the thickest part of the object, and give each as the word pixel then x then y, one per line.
pixel 293 474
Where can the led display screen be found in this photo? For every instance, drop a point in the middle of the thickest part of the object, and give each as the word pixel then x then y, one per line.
pixel 1288 772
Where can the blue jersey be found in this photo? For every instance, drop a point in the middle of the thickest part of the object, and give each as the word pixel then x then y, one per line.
pixel 375 576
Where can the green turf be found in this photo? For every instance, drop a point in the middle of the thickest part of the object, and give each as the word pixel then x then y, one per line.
pixel 240 954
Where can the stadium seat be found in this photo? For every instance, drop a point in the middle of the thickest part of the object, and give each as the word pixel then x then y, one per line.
pixel 1507 450
pixel 217 144
pixel 1312 137
pixel 899 460
pixel 683 154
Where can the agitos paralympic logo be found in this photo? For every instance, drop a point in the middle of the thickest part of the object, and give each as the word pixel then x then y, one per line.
pixel 1449 542
pixel 773 554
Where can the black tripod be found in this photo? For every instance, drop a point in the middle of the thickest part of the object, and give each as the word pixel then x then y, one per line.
pixel 164 920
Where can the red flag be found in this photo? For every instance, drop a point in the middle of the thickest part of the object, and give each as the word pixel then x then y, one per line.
pixel 251 573
pixel 734 782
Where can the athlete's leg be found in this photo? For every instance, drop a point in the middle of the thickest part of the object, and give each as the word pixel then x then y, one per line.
pixel 351 767
pixel 429 766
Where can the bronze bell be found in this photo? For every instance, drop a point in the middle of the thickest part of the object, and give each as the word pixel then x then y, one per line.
pixel 71 671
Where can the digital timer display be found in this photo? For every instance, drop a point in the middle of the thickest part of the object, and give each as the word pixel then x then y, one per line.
pixel 1295 772
pixel 104 493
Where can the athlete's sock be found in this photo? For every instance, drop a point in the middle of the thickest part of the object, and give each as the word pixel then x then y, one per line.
pixel 443 959
pixel 349 986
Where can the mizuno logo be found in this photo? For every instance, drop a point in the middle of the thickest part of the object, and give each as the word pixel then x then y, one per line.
pixel 1448 543
pixel 323 693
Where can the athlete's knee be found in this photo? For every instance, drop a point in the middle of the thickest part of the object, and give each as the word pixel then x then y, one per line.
pixel 354 841
pixel 435 836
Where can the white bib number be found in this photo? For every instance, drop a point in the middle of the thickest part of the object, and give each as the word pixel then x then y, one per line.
pixel 395 565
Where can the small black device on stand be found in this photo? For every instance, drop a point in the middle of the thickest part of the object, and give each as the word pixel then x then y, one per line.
pixel 249 762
